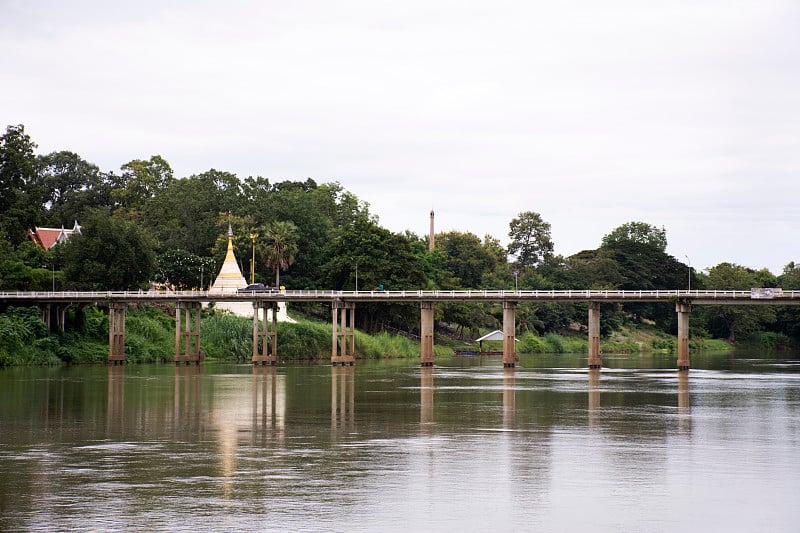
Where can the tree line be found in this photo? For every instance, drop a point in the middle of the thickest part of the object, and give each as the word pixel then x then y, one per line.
pixel 143 225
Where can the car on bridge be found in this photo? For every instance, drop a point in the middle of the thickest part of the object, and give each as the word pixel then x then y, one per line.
pixel 257 287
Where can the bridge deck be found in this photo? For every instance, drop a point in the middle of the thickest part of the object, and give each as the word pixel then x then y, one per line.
pixel 695 296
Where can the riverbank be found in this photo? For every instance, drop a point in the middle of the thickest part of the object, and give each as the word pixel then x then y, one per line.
pixel 150 338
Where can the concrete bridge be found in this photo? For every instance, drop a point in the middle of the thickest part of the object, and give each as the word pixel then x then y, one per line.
pixel 343 304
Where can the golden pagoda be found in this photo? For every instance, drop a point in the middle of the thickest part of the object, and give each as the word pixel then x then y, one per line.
pixel 230 277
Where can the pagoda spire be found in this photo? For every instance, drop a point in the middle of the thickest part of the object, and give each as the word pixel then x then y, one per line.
pixel 230 277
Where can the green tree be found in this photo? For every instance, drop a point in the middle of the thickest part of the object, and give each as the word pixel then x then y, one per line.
pixel 71 186
pixel 384 259
pixel 20 193
pixel 110 253
pixel 530 239
pixel 192 222
pixel 316 211
pixel 788 317
pixel 184 270
pixel 639 232
pixel 281 246
pixel 141 180
pixel 739 321
pixel 467 257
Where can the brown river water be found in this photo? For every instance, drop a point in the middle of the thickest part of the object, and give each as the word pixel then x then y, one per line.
pixel 388 446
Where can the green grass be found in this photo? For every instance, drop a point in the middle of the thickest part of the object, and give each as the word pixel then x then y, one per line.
pixel 530 343
pixel 226 337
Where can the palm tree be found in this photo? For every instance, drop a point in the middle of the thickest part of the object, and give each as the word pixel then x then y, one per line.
pixel 281 238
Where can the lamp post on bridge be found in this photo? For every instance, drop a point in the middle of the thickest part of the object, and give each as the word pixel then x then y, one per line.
pixel 516 285
pixel 690 271
pixel 253 237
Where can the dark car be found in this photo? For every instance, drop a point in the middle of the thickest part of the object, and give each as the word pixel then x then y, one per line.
pixel 257 287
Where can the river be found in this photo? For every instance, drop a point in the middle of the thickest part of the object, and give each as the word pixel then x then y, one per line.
pixel 388 446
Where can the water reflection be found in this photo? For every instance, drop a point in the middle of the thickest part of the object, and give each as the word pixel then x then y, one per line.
pixel 426 395
pixel 509 398
pixel 269 401
pixel 684 406
pixel 186 400
pixel 115 418
pixel 343 397
pixel 594 396
pixel 242 446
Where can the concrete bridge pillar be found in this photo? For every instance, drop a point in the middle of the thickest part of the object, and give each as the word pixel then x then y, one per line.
pixel 116 333
pixel 187 333
pixel 509 334
pixel 46 315
pixel 343 348
pixel 595 359
pixel 683 309
pixel 61 317
pixel 265 333
pixel 426 354
pixel 60 312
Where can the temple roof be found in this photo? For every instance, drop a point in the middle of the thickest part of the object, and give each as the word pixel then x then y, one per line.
pixel 49 237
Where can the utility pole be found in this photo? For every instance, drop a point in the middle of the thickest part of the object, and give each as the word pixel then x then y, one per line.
pixel 253 237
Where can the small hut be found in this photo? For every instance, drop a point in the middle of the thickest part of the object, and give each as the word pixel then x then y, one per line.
pixel 495 335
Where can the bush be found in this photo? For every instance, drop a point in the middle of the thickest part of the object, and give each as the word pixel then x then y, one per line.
pixel 551 343
pixel 24 338
pixel 227 337
pixel 531 343
pixel 664 344
pixel 767 340
pixel 385 345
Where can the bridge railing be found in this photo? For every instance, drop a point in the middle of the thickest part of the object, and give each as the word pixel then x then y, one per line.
pixel 411 295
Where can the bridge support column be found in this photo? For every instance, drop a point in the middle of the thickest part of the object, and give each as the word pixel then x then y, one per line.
pixel 343 348
pixel 265 333
pixel 509 334
pixel 187 338
pixel 46 315
pixel 61 317
pixel 116 333
pixel 426 354
pixel 595 359
pixel 683 310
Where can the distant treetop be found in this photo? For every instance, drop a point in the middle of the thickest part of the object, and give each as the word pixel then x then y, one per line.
pixel 640 232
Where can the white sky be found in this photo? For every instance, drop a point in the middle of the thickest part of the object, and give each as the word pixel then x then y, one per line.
pixel 683 114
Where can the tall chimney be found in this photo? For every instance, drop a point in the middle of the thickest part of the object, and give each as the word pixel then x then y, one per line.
pixel 430 240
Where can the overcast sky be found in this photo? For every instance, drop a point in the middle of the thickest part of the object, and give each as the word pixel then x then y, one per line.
pixel 683 114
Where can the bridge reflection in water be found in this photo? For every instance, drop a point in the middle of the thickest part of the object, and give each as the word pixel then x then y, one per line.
pixel 268 399
pixel 594 388
pixel 343 397
pixel 426 396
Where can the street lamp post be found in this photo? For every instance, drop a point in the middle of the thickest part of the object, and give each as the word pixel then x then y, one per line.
pixel 690 271
pixel 516 285
pixel 253 259
pixel 356 277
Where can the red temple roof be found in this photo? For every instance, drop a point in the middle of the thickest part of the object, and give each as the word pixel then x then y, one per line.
pixel 49 237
